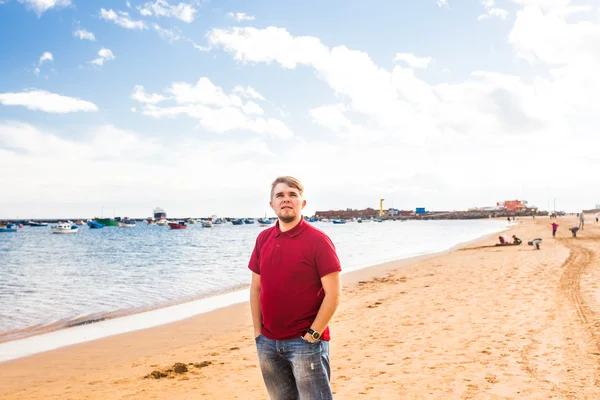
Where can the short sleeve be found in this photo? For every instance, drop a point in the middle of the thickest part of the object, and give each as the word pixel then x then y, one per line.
pixel 254 264
pixel 326 257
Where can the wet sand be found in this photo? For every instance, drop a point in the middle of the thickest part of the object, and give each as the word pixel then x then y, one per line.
pixel 479 322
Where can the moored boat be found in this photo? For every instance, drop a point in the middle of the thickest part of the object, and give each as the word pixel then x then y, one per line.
pixel 8 228
pixel 177 225
pixel 238 221
pixel 37 224
pixel 207 224
pixel 107 221
pixel 64 227
pixel 339 221
pixel 95 225
pixel 127 223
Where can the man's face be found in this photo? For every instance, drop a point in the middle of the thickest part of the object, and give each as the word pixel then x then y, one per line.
pixel 287 202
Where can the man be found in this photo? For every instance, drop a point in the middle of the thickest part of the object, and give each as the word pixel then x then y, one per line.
pixel 295 291
pixel 581 220
pixel 574 231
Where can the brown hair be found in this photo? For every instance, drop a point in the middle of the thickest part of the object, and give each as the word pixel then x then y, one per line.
pixel 290 181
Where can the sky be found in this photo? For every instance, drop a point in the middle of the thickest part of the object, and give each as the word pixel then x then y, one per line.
pixel 196 106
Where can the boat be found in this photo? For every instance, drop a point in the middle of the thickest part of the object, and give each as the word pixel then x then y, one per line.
pixel 177 225
pixel 217 221
pixel 95 225
pixel 127 223
pixel 160 216
pixel 37 224
pixel 264 221
pixel 312 220
pixel 79 222
pixel 191 221
pixel 64 227
pixel 338 222
pixel 249 221
pixel 107 221
pixel 238 221
pixel 150 221
pixel 8 228
pixel 207 224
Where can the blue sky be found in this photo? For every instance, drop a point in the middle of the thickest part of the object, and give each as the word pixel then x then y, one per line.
pixel 195 106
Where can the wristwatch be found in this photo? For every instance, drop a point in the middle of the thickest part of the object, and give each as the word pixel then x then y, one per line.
pixel 315 335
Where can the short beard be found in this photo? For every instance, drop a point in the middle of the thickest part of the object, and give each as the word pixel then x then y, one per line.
pixel 287 220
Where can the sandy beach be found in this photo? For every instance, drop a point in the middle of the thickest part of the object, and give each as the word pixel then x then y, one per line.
pixel 478 322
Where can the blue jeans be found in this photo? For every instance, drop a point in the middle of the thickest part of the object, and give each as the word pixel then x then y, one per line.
pixel 295 369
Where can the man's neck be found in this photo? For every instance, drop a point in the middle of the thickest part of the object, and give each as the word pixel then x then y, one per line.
pixel 286 226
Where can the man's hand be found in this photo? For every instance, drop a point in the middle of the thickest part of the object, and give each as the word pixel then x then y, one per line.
pixel 308 337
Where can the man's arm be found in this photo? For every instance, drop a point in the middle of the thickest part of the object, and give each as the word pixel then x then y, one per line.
pixel 255 304
pixel 332 286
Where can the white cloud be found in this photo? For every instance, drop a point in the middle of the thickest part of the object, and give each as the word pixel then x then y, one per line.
pixel 442 3
pixel 46 56
pixel 215 110
pixel 162 8
pixel 128 165
pixel 492 11
pixel 412 60
pixel 103 56
pixel 248 92
pixel 140 96
pixel 121 18
pixel 84 35
pixel 41 6
pixel 332 117
pixel 47 102
pixel 239 17
pixel 171 35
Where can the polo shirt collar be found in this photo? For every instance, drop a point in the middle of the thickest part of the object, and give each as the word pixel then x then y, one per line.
pixel 295 231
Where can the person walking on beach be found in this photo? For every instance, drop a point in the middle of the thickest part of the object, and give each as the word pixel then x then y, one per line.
pixel 596 216
pixel 554 229
pixel 581 218
pixel 295 291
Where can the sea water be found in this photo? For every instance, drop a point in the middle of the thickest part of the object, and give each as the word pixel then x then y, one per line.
pixel 62 283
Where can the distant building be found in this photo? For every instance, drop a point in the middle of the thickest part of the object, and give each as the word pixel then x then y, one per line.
pixel 420 210
pixel 512 205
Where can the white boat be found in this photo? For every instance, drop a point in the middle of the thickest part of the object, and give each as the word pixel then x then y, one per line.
pixel 207 224
pixel 64 227
pixel 129 223
pixel 160 216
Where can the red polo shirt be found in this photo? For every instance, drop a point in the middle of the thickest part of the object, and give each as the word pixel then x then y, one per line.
pixel 291 265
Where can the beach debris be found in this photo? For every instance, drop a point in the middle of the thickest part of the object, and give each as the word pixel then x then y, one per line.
pixel 156 375
pixel 180 368
pixel 202 364
pixel 177 368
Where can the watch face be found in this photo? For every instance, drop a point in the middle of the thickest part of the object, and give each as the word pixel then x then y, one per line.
pixel 316 335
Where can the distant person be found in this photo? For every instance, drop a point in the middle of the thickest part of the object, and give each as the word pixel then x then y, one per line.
pixel 554 229
pixel 501 239
pixel 581 220
pixel 574 230
pixel 596 216
pixel 508 219
pixel 516 240
pixel 535 243
pixel 295 291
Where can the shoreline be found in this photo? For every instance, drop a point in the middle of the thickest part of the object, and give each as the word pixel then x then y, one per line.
pixel 36 339
pixel 479 322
